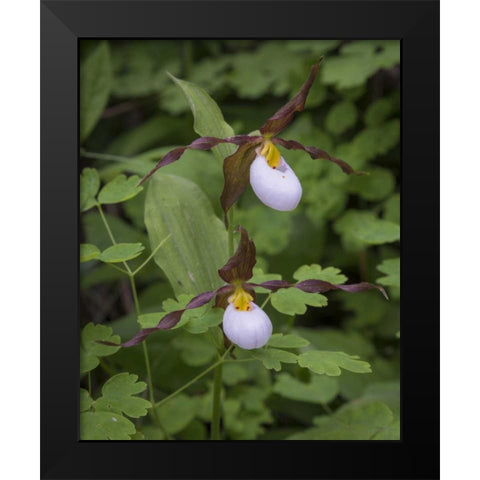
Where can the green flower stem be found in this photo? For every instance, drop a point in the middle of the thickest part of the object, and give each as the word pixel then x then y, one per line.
pixel 217 378
pixel 103 156
pixel 269 296
pixel 117 268
pixel 193 380
pixel 107 226
pixel 110 370
pixel 153 410
pixel 217 401
pixel 152 254
pixel 134 292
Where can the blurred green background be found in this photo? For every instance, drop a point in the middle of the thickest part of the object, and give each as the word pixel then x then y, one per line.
pixel 351 223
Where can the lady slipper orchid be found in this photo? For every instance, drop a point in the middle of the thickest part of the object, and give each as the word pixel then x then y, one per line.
pixel 244 323
pixel 257 159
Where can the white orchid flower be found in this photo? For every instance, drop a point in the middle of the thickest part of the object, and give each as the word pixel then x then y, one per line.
pixel 244 322
pixel 272 179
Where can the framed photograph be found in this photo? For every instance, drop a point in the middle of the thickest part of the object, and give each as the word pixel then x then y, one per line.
pixel 230 190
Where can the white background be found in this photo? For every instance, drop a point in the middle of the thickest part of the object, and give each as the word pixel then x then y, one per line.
pixel 19 233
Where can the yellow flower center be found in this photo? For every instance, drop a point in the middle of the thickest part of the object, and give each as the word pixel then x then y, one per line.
pixel 241 299
pixel 271 153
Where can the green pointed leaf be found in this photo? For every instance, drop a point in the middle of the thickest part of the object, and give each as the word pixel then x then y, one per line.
pixel 280 340
pixel 273 357
pixel 88 252
pixel 120 189
pixel 320 389
pixel 95 85
pixel 118 396
pixel 208 118
pixel 90 350
pixel 105 426
pixel 121 252
pixel 329 363
pixel 293 301
pixel 198 244
pixel 89 185
pixel 392 269
pixel 85 400
pixel 316 272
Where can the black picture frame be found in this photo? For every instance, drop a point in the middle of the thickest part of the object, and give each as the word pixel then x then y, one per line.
pixel 416 23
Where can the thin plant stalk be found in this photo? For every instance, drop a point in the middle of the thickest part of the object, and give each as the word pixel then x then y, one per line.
pixel 217 377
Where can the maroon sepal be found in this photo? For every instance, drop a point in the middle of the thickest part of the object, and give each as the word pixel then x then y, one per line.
pixel 316 153
pixel 319 286
pixel 221 300
pixel 283 117
pixel 202 143
pixel 168 321
pixel 236 174
pixel 240 265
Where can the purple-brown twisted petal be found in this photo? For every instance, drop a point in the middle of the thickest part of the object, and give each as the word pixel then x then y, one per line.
pixel 168 321
pixel 236 173
pixel 240 265
pixel 283 117
pixel 202 143
pixel 319 286
pixel 316 153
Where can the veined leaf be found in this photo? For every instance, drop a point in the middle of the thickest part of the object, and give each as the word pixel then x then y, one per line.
pixel 293 301
pixel 90 350
pixel 198 244
pixel 364 226
pixel 391 268
pixel 88 252
pixel 89 185
pixel 329 363
pixel 120 189
pixel 118 396
pixel 105 426
pixel 95 85
pixel 273 357
pixel 85 400
pixel 121 252
pixel 351 422
pixel 207 116
pixel 329 274
pixel 280 340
